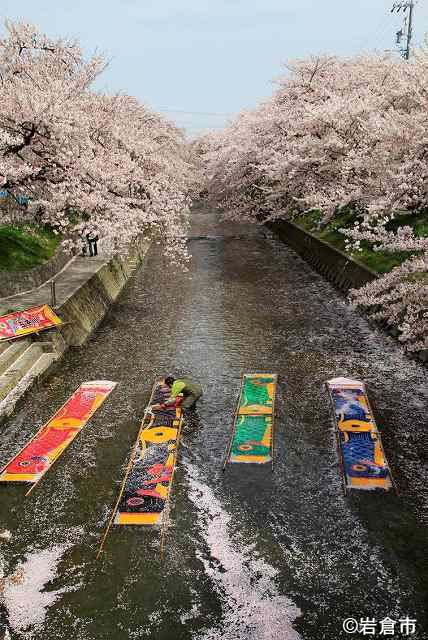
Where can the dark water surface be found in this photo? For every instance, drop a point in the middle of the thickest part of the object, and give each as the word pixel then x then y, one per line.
pixel 249 553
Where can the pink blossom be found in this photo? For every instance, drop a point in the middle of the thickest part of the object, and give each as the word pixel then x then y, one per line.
pixel 85 159
pixel 337 132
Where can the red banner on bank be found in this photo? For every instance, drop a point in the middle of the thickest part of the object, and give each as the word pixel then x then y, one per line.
pixel 21 323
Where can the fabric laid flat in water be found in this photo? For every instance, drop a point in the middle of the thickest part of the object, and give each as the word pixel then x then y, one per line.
pixel 149 479
pixel 252 429
pixel 34 460
pixel 363 459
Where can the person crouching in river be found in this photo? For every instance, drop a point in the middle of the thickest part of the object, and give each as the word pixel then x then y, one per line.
pixel 190 390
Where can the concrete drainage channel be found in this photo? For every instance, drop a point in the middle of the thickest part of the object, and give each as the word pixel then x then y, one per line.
pixel 84 300
pixel 81 308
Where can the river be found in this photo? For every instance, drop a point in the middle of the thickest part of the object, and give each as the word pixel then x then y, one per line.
pixel 249 553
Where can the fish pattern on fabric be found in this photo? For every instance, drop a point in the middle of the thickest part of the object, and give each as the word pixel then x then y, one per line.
pixel 364 462
pixel 252 438
pixel 149 480
pixel 32 462
pixel 22 323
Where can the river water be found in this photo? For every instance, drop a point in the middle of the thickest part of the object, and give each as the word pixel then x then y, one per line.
pixel 249 553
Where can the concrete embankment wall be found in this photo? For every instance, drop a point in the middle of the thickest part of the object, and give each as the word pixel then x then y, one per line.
pixel 86 307
pixel 333 264
pixel 89 295
pixel 344 272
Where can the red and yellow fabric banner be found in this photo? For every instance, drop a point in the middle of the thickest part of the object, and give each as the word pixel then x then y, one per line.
pixel 147 485
pixel 35 459
pixel 21 323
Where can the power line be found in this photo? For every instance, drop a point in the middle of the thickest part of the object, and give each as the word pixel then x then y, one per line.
pixel 197 113
pixel 207 129
pixel 384 23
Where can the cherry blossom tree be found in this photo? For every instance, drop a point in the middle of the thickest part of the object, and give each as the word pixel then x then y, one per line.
pixel 400 299
pixel 337 132
pixel 87 161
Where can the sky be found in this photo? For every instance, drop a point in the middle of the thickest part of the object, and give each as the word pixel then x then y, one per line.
pixel 200 62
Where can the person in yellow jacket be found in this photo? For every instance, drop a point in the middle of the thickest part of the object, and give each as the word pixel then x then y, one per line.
pixel 190 391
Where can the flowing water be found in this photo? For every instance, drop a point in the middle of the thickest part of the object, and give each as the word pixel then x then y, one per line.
pixel 249 553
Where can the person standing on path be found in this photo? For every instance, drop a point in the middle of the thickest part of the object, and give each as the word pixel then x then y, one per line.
pixel 92 243
pixel 190 390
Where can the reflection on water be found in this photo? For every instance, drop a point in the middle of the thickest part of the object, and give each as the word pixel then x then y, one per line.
pixel 249 553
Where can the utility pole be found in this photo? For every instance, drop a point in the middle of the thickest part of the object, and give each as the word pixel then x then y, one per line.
pixel 408 25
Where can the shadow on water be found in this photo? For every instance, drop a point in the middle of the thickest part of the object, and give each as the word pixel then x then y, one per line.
pixel 249 553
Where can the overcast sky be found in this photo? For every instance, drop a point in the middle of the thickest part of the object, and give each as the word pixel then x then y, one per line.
pixel 199 61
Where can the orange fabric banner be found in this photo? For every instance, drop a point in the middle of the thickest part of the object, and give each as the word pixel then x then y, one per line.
pixel 22 323
pixel 35 459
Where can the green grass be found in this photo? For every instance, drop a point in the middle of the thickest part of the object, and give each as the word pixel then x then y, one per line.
pixel 379 261
pixel 26 247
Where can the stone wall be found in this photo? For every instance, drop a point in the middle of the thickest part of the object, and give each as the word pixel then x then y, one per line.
pixel 12 282
pixel 83 311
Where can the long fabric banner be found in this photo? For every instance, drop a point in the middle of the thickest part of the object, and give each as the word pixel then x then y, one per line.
pixel 34 460
pixel 147 485
pixel 362 456
pixel 22 323
pixel 252 429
